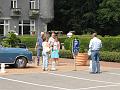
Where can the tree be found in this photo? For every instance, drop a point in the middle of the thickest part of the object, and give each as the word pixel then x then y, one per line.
pixel 73 15
pixel 108 16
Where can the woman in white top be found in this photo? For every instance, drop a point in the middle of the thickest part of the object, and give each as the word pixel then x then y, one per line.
pixel 55 52
pixel 45 54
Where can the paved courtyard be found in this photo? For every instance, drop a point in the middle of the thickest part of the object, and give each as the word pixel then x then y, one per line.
pixel 65 78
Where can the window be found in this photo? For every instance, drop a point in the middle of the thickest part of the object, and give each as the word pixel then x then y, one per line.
pixel 13 3
pixel 6 26
pixel 24 27
pixel 32 4
pixel 1 22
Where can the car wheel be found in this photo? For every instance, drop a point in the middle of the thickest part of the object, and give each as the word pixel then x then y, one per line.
pixel 21 62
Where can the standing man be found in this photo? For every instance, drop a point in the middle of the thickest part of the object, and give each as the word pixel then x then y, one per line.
pixel 51 39
pixel 38 46
pixel 95 45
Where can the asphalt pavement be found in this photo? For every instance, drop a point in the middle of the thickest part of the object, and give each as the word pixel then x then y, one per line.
pixel 109 79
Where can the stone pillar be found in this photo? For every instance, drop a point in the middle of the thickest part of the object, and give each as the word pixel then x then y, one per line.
pixel 46 10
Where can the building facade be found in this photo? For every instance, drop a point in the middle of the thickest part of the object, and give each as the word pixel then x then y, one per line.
pixel 25 16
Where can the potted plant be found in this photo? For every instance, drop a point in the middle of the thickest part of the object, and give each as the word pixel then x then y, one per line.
pixel 82 57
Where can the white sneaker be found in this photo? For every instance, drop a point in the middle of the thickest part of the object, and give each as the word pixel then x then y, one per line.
pixel 53 69
pixel 46 69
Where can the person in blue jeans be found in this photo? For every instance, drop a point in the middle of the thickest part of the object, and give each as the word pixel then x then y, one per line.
pixel 95 45
pixel 38 46
pixel 45 54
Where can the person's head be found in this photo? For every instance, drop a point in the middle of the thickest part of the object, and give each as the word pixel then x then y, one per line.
pixel 53 35
pixel 42 34
pixel 45 39
pixel 56 38
pixel 94 35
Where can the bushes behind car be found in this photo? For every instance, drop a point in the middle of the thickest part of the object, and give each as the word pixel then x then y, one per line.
pixel 29 41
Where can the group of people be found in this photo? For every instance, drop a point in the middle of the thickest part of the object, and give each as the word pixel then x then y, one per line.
pixel 49 47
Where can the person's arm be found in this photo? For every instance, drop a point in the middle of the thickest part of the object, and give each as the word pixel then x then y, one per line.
pixel 58 45
pixel 36 45
pixel 90 45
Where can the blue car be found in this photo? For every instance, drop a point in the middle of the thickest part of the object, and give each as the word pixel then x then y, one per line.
pixel 18 57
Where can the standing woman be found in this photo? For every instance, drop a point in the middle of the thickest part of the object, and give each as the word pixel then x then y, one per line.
pixel 45 53
pixel 55 53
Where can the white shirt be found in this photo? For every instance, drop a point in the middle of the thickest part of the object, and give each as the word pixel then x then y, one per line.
pixel 51 41
pixel 56 45
pixel 45 46
pixel 95 44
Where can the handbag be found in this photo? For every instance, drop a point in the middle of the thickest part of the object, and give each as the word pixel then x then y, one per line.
pixel 48 49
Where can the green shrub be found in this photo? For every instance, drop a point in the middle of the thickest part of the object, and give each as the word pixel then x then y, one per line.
pixel 34 52
pixel 84 42
pixel 108 43
pixel 62 39
pixel 30 41
pixel 65 54
pixel 110 56
pixel 11 40
pixel 111 44
pixel 62 53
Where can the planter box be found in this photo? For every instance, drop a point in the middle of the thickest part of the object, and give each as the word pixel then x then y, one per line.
pixel 82 59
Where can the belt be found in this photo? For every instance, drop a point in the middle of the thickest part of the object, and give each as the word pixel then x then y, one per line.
pixel 94 50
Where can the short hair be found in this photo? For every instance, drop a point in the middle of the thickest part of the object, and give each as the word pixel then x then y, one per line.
pixel 45 38
pixel 94 34
pixel 53 33
pixel 42 33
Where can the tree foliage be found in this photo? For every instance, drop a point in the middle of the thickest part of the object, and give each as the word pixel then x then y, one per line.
pixel 108 16
pixel 85 16
pixel 109 11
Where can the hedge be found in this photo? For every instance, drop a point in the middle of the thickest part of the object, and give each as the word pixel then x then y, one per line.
pixel 110 56
pixel 109 43
pixel 65 54
pixel 104 55
pixel 30 41
pixel 84 42
pixel 62 53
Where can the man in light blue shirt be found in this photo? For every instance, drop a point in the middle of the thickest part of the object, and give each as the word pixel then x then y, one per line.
pixel 95 45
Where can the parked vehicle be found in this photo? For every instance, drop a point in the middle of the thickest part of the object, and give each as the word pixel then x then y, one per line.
pixel 18 57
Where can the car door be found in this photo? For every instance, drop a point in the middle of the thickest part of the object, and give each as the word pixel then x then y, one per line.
pixel 6 56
